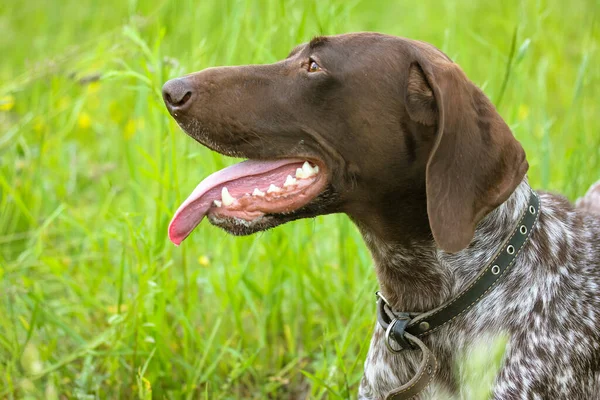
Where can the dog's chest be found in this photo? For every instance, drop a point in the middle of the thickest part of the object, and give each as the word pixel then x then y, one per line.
pixel 548 306
pixel 385 371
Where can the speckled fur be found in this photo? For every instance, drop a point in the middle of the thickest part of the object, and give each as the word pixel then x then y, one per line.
pixel 548 304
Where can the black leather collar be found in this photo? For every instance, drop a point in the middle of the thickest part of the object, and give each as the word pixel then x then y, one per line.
pixel 405 329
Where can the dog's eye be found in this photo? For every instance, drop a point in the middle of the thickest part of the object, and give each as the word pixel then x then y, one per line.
pixel 313 66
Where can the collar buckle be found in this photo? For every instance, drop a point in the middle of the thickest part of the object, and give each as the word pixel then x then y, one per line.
pixel 394 327
pixel 396 332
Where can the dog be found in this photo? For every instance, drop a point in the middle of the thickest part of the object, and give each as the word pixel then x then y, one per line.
pixel 392 133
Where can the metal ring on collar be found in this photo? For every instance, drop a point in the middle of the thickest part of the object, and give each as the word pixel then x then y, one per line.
pixel 388 338
pixel 532 209
pixel 382 297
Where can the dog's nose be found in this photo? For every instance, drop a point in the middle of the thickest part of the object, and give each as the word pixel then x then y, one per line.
pixel 176 93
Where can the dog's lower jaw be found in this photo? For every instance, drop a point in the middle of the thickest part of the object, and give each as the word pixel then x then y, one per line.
pixel 324 203
pixel 239 226
pixel 419 277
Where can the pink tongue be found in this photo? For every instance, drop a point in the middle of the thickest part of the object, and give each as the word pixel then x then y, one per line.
pixel 194 208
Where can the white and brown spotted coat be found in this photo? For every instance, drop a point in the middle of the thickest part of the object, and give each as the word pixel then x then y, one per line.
pixel 548 304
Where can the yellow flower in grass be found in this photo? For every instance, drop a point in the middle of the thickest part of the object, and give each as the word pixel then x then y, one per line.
pixel 132 126
pixel 523 112
pixel 39 125
pixel 144 388
pixel 204 261
pixel 147 384
pixel 84 121
pixel 7 103
pixel 93 87
pixel 129 129
pixel 116 310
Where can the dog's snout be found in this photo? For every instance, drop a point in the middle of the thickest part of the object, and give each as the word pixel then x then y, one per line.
pixel 176 93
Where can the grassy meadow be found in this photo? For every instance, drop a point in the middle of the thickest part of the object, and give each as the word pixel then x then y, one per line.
pixel 96 303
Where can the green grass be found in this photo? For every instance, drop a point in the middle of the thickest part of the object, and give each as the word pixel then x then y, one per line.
pixel 96 303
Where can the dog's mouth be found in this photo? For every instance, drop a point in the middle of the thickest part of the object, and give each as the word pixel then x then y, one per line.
pixel 240 198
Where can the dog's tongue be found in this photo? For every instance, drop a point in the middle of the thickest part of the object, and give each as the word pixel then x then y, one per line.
pixel 195 207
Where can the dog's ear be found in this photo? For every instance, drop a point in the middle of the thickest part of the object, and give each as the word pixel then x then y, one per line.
pixel 420 101
pixel 475 162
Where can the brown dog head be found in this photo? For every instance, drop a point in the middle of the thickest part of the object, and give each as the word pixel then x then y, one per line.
pixel 399 138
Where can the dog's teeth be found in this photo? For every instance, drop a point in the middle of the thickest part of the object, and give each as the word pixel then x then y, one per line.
pixel 273 189
pixel 217 203
pixel 316 169
pixel 289 181
pixel 258 192
pixel 308 170
pixel 226 197
pixel 300 173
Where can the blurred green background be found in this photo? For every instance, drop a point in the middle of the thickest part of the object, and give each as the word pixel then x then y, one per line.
pixel 94 300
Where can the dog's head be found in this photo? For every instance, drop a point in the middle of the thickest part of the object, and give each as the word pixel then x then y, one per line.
pixel 387 130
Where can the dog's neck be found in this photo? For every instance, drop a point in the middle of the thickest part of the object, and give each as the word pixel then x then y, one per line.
pixel 418 276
